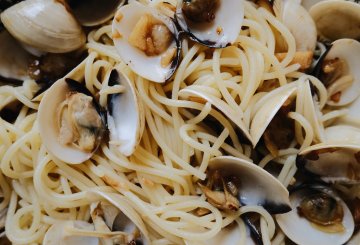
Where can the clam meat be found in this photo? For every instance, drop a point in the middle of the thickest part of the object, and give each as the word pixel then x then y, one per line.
pixel 146 41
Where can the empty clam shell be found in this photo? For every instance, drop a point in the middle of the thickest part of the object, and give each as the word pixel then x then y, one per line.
pixel 266 109
pixel 51 121
pixel 213 23
pixel 133 26
pixel 303 232
pixel 336 19
pixel 45 25
pixel 125 117
pixel 256 187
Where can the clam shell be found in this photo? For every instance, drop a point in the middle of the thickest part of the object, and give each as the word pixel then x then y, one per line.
pixel 219 33
pixel 47 116
pixel 257 187
pixel 44 25
pixel 266 108
pixel 300 231
pixel 297 19
pixel 128 212
pixel 148 67
pixel 344 133
pixel 336 19
pixel 126 117
pixel 336 161
pixel 349 51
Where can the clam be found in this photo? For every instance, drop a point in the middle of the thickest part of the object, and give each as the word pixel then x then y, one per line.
pixel 318 216
pixel 266 108
pixel 14 64
pixel 125 219
pixel 93 12
pixel 147 41
pixel 71 122
pixel 336 161
pixel 70 233
pixel 125 128
pixel 233 182
pixel 295 17
pixel 214 23
pixel 45 25
pixel 338 70
pixel 336 19
pixel 345 133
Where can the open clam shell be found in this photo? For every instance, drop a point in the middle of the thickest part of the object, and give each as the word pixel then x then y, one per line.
pixel 336 161
pixel 127 219
pixel 303 232
pixel 215 24
pixel 336 19
pixel 58 234
pixel 256 187
pixel 266 109
pixel 297 19
pixel 125 117
pixel 94 12
pixel 346 51
pixel 136 19
pixel 44 25
pixel 49 121
pixel 344 133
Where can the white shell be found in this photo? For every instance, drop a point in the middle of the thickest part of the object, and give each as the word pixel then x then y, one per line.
pixel 58 235
pixel 47 116
pixel 307 4
pixel 148 67
pixel 45 25
pixel 94 12
pixel 344 133
pixel 336 19
pixel 14 59
pixel 300 231
pixel 125 207
pixel 349 51
pixel 266 108
pixel 258 187
pixel 297 19
pixel 222 31
pixel 335 166
pixel 127 122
